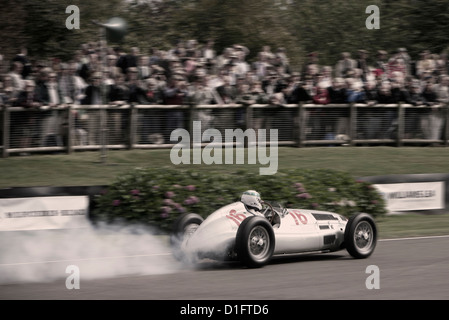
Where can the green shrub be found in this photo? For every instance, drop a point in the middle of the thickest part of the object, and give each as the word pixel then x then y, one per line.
pixel 157 197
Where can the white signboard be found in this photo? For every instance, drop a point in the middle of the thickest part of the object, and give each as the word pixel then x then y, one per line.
pixel 413 196
pixel 43 213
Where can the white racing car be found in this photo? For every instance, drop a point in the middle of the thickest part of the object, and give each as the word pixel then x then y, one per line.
pixel 235 232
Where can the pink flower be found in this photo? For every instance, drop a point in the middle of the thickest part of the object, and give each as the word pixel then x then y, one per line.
pixel 155 187
pixel 169 194
pixel 191 200
pixel 165 210
pixel 164 215
pixel 304 196
pixel 135 192
pixel 168 202
pixel 299 185
pixel 116 203
pixel 190 187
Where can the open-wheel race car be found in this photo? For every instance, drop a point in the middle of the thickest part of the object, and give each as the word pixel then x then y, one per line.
pixel 236 232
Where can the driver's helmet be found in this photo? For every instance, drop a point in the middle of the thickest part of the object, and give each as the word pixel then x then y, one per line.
pixel 251 198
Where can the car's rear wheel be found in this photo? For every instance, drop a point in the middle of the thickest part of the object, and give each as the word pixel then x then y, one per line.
pixel 361 236
pixel 183 228
pixel 255 242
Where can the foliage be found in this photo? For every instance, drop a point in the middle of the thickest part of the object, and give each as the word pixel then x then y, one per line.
pixel 157 197
pixel 326 26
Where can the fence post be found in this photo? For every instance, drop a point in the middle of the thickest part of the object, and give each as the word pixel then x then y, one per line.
pixel 400 129
pixel 133 123
pixel 103 135
pixel 5 127
pixel 352 123
pixel 301 124
pixel 70 129
pixel 446 131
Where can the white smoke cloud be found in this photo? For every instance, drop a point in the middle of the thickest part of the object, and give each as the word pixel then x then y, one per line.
pixel 103 252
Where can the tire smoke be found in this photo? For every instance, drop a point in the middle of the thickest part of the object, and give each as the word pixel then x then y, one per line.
pixel 99 252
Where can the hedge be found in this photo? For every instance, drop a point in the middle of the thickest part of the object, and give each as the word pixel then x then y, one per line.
pixel 157 197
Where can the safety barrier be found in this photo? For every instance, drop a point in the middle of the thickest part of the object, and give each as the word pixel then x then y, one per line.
pixel 94 127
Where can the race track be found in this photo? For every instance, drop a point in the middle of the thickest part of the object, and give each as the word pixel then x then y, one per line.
pixel 408 269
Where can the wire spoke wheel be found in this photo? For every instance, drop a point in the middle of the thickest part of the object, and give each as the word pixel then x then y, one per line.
pixel 258 242
pixel 360 236
pixel 363 236
pixel 255 242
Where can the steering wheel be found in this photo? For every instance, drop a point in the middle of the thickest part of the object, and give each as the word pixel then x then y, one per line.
pixel 268 211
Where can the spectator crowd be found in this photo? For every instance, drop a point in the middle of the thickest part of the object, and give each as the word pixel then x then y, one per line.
pixel 194 73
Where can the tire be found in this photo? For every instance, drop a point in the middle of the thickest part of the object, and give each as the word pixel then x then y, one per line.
pixel 182 228
pixel 361 236
pixel 250 251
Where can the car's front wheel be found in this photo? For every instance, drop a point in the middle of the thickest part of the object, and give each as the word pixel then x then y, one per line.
pixel 255 242
pixel 361 236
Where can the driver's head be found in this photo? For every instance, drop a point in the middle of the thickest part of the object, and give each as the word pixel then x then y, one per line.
pixel 251 198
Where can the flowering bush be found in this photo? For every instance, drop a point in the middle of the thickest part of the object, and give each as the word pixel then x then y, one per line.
pixel 157 197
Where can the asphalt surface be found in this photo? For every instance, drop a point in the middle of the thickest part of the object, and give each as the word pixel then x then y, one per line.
pixel 408 269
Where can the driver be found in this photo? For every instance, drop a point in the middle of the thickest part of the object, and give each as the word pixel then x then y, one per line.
pixel 252 201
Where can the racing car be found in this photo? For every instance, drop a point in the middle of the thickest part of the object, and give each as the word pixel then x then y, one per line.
pixel 235 233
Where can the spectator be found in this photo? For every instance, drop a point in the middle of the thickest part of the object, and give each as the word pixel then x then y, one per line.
pixel 425 63
pixel 345 65
pixel 8 94
pixel 311 65
pixel 403 54
pixel 210 55
pixel 384 95
pixel 371 92
pixel 136 90
pixel 224 58
pixel 126 61
pixel 337 92
pixel 432 121
pixel 397 64
pixel 94 93
pixel 151 128
pixel 355 92
pixel 362 64
pixel 260 66
pixel 119 91
pixel 322 96
pixel 381 65
pixel 416 96
pixel 175 94
pixel 29 98
pixel 78 83
pixel 441 89
pixel 429 93
pixel 295 92
pixel 227 93
pixel 325 79
pixel 16 76
pixel 26 124
pixel 22 57
pixel 52 121
pixel 66 84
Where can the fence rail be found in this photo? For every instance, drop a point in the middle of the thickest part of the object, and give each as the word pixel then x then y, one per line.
pixel 101 127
